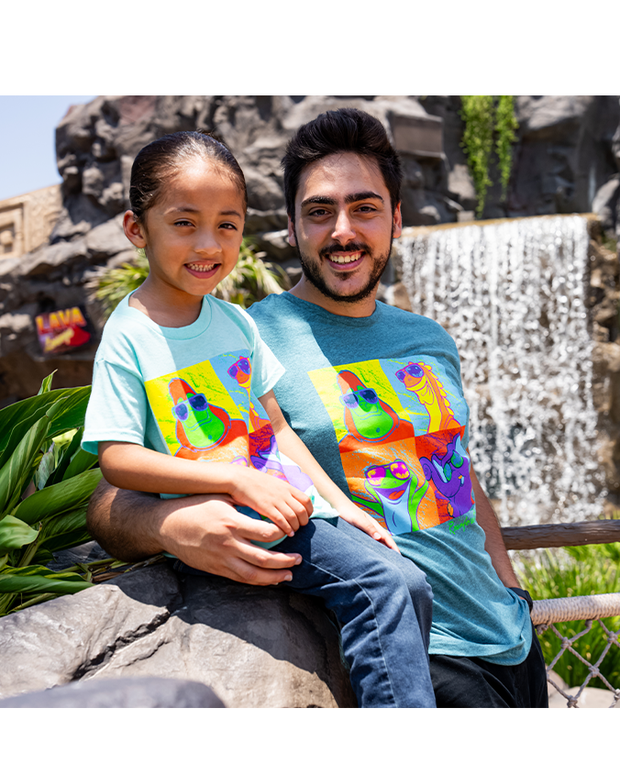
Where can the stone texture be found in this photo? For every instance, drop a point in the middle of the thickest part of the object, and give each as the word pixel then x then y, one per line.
pixel 120 693
pixel 254 647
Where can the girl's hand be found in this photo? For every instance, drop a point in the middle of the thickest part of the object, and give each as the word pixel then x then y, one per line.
pixel 355 516
pixel 285 505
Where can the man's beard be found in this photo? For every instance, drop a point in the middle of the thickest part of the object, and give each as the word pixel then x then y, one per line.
pixel 311 270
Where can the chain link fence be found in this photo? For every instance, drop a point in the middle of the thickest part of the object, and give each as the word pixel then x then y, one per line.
pixel 593 609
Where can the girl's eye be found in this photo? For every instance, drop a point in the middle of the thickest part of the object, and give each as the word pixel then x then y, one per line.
pixel 230 226
pixel 182 222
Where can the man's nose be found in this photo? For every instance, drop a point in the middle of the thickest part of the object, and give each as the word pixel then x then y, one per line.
pixel 343 230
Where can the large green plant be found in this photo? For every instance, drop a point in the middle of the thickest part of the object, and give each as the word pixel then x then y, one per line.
pixel 251 280
pixel 46 480
pixel 488 118
pixel 570 572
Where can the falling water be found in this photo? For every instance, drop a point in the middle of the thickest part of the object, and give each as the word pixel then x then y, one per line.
pixel 512 295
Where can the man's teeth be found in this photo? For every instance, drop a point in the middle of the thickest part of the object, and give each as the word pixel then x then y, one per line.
pixel 345 259
pixel 201 267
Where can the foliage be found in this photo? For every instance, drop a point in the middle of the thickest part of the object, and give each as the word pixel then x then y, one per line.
pixel 485 118
pixel 505 126
pixel 251 280
pixel 569 572
pixel 46 480
pixel 477 113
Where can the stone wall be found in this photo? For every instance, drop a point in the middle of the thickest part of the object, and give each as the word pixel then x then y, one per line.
pixel 26 221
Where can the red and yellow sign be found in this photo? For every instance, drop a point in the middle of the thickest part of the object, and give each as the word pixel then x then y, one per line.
pixel 62 330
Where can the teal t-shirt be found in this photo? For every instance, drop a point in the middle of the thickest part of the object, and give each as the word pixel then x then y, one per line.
pixel 379 402
pixel 191 392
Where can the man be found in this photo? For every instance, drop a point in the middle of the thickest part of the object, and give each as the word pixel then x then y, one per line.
pixel 375 393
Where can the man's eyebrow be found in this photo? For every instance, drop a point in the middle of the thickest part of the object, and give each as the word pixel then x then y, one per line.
pixel 349 198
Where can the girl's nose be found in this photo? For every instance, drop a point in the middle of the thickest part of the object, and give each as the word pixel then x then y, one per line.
pixel 207 243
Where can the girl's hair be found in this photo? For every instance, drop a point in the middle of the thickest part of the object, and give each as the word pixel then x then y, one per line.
pixel 158 161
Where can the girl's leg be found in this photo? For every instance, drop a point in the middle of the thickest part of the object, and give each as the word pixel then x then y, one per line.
pixel 371 589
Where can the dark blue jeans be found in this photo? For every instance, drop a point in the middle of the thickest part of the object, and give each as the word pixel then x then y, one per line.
pixel 383 604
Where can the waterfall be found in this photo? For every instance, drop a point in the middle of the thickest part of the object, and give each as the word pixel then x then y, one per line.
pixel 511 293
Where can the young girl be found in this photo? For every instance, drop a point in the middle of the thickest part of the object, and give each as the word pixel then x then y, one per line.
pixel 182 402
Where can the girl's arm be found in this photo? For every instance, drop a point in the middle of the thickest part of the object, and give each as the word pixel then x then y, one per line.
pixel 133 467
pixel 294 448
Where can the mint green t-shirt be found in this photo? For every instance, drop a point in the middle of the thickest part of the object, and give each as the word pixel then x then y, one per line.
pixel 191 392
pixel 379 402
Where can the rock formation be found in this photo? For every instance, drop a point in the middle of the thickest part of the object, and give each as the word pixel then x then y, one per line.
pixel 255 647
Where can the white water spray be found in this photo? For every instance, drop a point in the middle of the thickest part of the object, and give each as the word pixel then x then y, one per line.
pixel 512 296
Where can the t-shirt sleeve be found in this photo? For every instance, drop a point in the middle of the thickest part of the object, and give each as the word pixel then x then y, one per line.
pixel 117 407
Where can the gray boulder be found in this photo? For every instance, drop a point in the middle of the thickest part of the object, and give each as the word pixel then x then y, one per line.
pixel 121 693
pixel 255 647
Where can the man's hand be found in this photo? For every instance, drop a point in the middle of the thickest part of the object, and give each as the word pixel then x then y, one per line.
pixel 211 535
pixel 204 531
pixel 355 516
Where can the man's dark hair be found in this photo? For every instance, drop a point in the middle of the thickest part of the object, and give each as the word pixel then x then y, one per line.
pixel 340 131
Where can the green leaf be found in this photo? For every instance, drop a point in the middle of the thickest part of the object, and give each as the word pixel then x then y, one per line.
pixel 81 461
pixel 14 533
pixel 46 467
pixel 17 418
pixel 65 530
pixel 46 385
pixel 73 411
pixel 66 445
pixel 57 498
pixel 38 578
pixel 18 470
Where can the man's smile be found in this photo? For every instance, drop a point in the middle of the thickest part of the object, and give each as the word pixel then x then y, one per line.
pixel 349 257
pixel 345 258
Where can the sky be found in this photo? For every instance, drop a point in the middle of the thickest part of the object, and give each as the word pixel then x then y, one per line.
pixel 27 132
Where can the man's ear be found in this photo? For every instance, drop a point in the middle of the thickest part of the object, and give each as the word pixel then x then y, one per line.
pixel 133 230
pixel 291 233
pixel 397 223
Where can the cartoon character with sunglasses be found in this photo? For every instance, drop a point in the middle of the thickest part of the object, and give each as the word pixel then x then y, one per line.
pixel 367 417
pixel 396 495
pixel 419 379
pixel 199 424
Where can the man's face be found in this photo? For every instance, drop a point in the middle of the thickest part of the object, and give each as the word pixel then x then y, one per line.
pixel 343 229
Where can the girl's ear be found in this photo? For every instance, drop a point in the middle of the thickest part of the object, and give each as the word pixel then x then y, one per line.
pixel 133 230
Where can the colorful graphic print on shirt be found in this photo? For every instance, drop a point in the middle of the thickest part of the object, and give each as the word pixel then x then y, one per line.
pixel 400 440
pixel 208 412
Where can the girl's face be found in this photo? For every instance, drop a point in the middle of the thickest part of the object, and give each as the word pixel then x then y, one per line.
pixel 192 235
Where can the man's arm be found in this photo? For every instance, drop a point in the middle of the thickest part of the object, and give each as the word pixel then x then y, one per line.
pixel 204 531
pixel 494 545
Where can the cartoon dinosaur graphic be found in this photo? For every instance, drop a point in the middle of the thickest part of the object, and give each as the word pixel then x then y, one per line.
pixel 241 372
pixel 396 495
pixel 450 476
pixel 419 379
